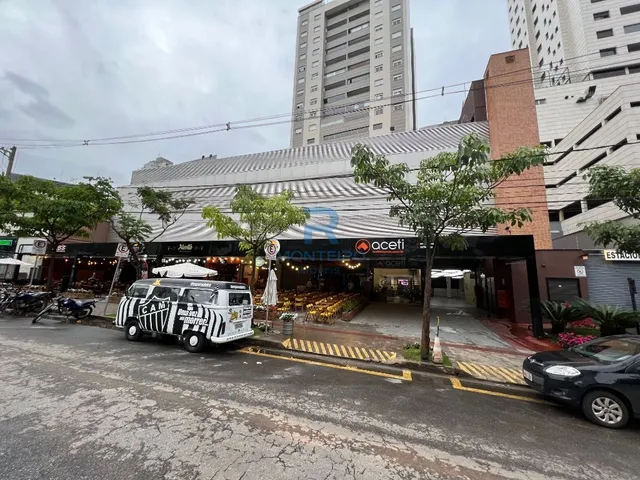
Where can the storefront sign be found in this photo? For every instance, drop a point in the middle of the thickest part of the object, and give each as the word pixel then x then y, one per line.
pixel 616 256
pixel 6 242
pixel 380 247
pixel 61 248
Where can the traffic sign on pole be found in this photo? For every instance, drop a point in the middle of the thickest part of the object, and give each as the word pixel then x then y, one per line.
pixel 122 251
pixel 271 249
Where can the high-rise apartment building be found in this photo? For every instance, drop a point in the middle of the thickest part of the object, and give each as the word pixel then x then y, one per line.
pixel 573 40
pixel 353 71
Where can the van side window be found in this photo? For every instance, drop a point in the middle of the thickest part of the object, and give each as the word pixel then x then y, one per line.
pixel 205 297
pixel 237 298
pixel 138 291
pixel 165 293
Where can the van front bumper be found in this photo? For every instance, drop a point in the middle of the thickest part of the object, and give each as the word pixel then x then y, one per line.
pixel 231 338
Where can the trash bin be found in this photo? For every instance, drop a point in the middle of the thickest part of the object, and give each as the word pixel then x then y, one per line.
pixel 287 326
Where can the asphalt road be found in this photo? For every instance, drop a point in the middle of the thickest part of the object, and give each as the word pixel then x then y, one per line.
pixel 80 402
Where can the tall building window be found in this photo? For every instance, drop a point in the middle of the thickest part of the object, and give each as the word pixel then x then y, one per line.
pixel 607 33
pixel 312 127
pixel 397 63
pixel 397 91
pixel 607 52
pixel 395 49
pixel 378 41
pixel 316 51
pixel 378 82
pixel 298 131
pixel 396 21
pixel 303 45
pixel 395 8
pixel 304 23
pixel 630 28
pixel 377 126
pixel 396 35
pixel 315 63
pixel 378 55
pixel 316 40
pixel 303 34
pixel 397 77
pixel 303 56
pixel 379 110
pixel 378 68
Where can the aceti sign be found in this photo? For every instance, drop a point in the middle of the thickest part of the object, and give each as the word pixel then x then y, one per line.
pixel 380 247
pixel 616 256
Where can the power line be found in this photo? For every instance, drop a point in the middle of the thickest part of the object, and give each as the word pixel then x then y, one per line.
pixel 214 128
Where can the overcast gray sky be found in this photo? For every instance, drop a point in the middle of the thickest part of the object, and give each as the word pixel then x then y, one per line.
pixel 80 69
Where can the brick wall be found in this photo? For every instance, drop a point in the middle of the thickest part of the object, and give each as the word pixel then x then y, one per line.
pixel 513 123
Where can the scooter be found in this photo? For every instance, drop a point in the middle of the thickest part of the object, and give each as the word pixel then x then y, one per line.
pixel 68 307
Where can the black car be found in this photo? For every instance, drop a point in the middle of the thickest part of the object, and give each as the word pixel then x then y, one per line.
pixel 602 377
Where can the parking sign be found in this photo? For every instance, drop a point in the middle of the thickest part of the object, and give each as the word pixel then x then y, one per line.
pixel 122 251
pixel 271 249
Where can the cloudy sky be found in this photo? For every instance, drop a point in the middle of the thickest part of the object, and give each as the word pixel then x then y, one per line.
pixel 80 69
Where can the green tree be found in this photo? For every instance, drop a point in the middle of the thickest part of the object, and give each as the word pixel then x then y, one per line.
pixel 135 232
pixel 256 219
pixel 623 188
pixel 449 196
pixel 35 207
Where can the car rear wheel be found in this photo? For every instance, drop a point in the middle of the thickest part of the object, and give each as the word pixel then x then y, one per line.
pixel 194 342
pixel 605 409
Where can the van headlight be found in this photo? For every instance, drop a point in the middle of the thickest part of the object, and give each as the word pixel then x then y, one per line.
pixel 562 371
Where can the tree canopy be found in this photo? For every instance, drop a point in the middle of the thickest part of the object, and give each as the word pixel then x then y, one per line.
pixel 446 196
pixel 255 219
pixel 623 188
pixel 35 207
pixel 135 231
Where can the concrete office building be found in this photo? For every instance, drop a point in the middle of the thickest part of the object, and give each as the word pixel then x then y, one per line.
pixel 570 41
pixel 353 71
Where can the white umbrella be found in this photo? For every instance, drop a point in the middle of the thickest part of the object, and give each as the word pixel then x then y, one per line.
pixel 14 261
pixel 184 269
pixel 270 295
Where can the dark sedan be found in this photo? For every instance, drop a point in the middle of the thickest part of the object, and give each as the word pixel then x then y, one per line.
pixel 602 377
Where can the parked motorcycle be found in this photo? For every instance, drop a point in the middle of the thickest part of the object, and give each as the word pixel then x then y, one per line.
pixel 23 303
pixel 68 307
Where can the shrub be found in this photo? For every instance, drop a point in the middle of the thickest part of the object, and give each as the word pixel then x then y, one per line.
pixel 568 340
pixel 560 314
pixel 611 319
pixel 586 323
pixel 350 305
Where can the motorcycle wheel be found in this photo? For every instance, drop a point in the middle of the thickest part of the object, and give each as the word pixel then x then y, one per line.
pixel 80 314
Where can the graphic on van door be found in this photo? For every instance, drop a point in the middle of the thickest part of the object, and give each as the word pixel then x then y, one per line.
pixel 154 313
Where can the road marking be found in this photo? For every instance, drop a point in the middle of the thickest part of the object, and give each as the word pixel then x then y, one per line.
pixel 406 374
pixel 495 374
pixel 455 383
pixel 343 351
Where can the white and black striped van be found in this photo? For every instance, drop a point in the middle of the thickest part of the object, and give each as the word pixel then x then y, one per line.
pixel 195 310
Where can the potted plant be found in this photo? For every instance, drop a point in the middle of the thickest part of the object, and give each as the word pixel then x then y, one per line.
pixel 559 314
pixel 287 322
pixel 611 319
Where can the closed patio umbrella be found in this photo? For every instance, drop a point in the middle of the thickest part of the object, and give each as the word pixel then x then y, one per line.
pixel 270 295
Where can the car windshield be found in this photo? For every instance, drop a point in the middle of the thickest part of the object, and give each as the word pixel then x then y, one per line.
pixel 609 349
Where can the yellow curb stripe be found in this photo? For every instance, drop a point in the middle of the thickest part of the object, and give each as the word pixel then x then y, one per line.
pixel 295 344
pixel 373 354
pixel 406 374
pixel 330 349
pixel 392 356
pixel 316 348
pixel 365 353
pixel 309 345
pixel 344 351
pixel 351 352
pixel 497 374
pixel 471 370
pixel 358 353
pixel 324 352
pixel 456 384
pixel 513 373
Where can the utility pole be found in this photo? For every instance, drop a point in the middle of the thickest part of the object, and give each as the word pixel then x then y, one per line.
pixel 11 155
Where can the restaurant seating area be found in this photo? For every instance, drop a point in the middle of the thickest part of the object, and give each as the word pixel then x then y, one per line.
pixel 313 306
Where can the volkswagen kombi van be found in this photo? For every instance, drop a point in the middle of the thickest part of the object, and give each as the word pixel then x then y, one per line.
pixel 196 311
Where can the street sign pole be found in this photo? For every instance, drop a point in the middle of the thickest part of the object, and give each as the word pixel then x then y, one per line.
pixel 113 282
pixel 267 292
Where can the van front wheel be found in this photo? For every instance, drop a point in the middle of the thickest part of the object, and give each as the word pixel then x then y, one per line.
pixel 194 342
pixel 132 331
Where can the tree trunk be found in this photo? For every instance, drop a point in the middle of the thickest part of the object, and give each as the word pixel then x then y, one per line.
pixel 254 277
pixel 426 307
pixel 135 261
pixel 52 262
